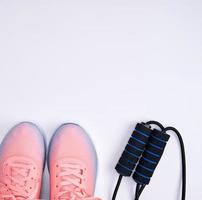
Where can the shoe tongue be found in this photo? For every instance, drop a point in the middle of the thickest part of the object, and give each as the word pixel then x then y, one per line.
pixel 69 188
pixel 17 175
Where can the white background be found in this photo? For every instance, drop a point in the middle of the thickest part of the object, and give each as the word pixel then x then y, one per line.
pixel 107 65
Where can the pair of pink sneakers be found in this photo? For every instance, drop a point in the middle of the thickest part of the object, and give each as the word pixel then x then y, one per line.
pixel 72 164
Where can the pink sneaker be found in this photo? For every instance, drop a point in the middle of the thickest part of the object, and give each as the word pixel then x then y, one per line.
pixel 22 154
pixel 72 164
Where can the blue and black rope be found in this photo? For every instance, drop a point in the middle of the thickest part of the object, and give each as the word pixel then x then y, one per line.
pixel 143 153
pixel 132 153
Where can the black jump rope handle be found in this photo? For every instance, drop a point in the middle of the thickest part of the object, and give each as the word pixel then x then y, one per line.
pixel 132 153
pixel 145 148
pixel 150 157
pixel 133 150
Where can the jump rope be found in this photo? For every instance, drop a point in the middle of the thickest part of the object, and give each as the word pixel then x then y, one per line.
pixel 143 153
